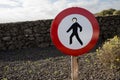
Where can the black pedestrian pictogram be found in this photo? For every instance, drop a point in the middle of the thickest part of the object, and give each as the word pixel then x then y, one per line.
pixel 75 27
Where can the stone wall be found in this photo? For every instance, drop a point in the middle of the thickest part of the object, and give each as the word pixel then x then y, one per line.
pixel 25 35
pixel 109 27
pixel 37 33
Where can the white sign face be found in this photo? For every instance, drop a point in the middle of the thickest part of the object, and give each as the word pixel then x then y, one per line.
pixel 75 31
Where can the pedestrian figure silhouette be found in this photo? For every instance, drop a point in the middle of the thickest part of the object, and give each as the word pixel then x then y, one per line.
pixel 75 27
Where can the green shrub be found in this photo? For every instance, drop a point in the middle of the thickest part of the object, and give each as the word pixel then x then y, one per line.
pixel 109 54
pixel 116 12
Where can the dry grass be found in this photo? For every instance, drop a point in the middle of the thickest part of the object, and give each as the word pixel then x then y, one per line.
pixel 109 54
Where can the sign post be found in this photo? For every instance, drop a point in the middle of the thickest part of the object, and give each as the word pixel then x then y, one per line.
pixel 74 68
pixel 74 31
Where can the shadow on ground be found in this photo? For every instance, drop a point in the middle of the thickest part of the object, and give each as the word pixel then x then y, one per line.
pixel 32 54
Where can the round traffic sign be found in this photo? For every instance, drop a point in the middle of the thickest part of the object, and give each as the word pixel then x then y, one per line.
pixel 74 31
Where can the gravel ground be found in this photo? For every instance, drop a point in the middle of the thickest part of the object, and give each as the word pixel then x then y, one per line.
pixel 50 64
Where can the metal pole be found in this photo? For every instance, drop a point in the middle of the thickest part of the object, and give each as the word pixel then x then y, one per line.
pixel 74 68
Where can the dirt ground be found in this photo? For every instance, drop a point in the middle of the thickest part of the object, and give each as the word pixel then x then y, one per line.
pixel 50 64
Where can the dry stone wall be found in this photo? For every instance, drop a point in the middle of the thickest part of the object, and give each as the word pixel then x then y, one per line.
pixel 25 35
pixel 109 26
pixel 37 33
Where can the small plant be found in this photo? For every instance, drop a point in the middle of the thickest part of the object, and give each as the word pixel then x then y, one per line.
pixel 109 54
pixel 4 79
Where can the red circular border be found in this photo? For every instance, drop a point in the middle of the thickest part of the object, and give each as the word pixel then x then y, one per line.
pixel 58 19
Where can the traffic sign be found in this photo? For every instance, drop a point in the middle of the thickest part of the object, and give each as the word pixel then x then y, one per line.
pixel 74 31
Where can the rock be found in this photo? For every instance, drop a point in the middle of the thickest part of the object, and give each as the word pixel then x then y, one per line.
pixel 11 47
pixel 39 39
pixel 7 38
pixel 43 45
pixel 31 37
pixel 1 45
pixel 28 31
